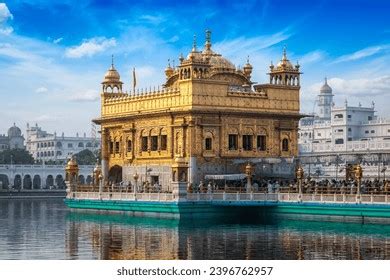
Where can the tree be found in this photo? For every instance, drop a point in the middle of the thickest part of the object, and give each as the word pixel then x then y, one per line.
pixel 85 157
pixel 17 156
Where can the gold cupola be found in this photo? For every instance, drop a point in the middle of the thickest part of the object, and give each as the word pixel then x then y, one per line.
pixel 112 80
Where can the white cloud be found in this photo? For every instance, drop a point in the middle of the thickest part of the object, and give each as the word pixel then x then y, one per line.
pixel 362 87
pixel 89 95
pixel 58 40
pixel 363 53
pixel 45 118
pixel 231 48
pixel 312 57
pixel 41 90
pixel 90 47
pixel 152 19
pixel 5 15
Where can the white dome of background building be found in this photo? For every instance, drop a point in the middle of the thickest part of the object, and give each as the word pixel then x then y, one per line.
pixel 14 131
pixel 325 87
pixel 13 140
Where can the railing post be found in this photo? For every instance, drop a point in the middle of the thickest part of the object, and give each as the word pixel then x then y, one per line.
pixel 238 196
pixel 344 198
pixel 224 196
pixel 158 196
pixel 322 198
pixel 198 196
pixel 372 198
pixel 334 197
pixel 251 196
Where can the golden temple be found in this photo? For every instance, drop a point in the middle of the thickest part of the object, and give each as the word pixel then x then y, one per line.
pixel 208 118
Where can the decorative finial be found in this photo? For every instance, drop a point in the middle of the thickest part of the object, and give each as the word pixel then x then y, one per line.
pixel 373 104
pixel 112 60
pixel 208 40
pixel 208 36
pixel 247 59
pixel 284 53
pixel 169 63
pixel 194 44
pixel 326 80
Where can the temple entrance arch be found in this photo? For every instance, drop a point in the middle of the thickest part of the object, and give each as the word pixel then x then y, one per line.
pixel 4 182
pixel 18 182
pixel 115 174
pixel 49 181
pixel 60 183
pixel 37 182
pixel 81 180
pixel 27 182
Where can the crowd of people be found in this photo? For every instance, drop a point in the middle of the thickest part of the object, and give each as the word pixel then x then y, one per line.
pixel 265 186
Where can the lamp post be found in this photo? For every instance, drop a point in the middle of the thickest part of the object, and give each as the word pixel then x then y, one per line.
pixel 358 176
pixel 135 176
pixel 300 174
pixel 248 172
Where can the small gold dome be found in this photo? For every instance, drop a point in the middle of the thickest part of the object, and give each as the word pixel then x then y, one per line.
pixel 112 75
pixel 248 68
pixel 72 164
pixel 284 63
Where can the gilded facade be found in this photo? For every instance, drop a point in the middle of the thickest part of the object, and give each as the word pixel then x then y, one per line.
pixel 208 118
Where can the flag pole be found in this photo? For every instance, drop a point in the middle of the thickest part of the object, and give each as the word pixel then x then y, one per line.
pixel 134 80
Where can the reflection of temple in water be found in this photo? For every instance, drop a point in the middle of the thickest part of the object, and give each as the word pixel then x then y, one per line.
pixel 170 239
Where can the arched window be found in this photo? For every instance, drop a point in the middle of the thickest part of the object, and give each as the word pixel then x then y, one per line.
pixel 111 147
pixel 163 142
pixel 285 145
pixel 339 141
pixel 89 145
pixel 59 144
pixel 247 142
pixel 208 144
pixel 129 145
pixel 81 145
pixel 117 148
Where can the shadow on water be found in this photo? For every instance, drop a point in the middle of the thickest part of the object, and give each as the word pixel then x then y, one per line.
pixel 46 229
pixel 118 236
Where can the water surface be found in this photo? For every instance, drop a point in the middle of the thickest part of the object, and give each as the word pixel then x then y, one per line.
pixel 46 229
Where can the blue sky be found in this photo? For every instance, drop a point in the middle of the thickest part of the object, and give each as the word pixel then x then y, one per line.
pixel 53 54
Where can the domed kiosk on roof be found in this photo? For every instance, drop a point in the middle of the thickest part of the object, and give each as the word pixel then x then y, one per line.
pixel 112 80
pixel 13 140
pixel 325 88
pixel 14 131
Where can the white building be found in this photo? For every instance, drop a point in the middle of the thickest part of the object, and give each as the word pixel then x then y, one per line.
pixel 346 129
pixel 337 136
pixel 13 140
pixel 44 146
